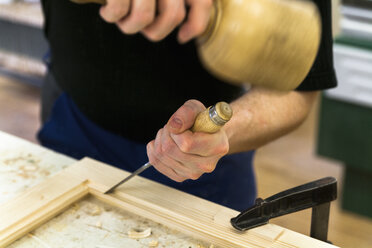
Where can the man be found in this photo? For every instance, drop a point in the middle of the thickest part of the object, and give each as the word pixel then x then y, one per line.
pixel 116 95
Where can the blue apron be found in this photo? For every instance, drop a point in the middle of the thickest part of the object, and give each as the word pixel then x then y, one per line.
pixel 68 131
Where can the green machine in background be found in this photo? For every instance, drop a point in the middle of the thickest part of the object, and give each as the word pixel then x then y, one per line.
pixel 345 123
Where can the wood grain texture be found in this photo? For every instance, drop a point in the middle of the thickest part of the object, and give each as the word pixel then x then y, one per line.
pixel 224 110
pixel 270 43
pixel 192 215
pixel 204 123
pixel 38 204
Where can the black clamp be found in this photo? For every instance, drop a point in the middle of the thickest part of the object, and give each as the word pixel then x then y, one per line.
pixel 317 195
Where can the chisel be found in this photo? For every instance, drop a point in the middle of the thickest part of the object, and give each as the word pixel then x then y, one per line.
pixel 209 121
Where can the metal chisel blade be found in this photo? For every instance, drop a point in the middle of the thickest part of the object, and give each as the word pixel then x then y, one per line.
pixel 135 173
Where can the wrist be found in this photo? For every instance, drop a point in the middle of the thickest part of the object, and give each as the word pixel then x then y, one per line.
pixel 234 129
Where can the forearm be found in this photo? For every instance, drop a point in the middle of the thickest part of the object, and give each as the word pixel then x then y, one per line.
pixel 263 115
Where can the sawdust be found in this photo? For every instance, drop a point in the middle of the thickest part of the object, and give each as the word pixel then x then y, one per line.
pixel 139 234
pixel 81 226
pixel 22 158
pixel 98 224
pixel 24 165
pixel 40 241
pixel 93 210
pixel 153 243
pixel 45 172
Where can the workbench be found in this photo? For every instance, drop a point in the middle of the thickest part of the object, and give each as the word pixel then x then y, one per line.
pixel 23 165
pixel 90 222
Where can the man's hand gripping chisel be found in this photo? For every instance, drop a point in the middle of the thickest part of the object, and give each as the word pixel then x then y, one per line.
pixel 209 121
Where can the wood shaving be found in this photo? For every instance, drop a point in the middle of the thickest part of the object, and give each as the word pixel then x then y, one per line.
pixel 93 210
pixel 30 168
pixel 153 243
pixel 139 234
pixel 88 231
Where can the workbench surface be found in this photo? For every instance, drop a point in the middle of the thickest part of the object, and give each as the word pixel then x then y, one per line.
pixel 23 165
pixel 88 223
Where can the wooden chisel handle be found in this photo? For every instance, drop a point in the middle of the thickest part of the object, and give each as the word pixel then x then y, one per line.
pixel 213 118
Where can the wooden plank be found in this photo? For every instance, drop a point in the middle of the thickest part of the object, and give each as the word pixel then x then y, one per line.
pixel 192 215
pixel 210 231
pixel 38 205
pixel 195 216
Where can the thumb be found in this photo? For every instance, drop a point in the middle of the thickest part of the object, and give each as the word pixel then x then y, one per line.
pixel 184 118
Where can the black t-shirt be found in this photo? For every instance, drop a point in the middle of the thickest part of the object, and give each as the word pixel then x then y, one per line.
pixel 131 86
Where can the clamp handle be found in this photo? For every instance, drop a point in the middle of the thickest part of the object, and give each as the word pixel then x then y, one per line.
pixel 317 195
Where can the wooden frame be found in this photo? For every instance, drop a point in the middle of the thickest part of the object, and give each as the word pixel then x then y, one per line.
pixel 199 218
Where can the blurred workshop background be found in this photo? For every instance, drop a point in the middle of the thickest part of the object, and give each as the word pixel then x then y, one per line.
pixel 336 139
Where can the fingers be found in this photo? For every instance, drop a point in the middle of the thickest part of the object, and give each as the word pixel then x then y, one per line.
pixel 202 144
pixel 197 21
pixel 115 10
pixel 156 21
pixel 181 154
pixel 165 157
pixel 184 118
pixel 170 14
pixel 161 165
pixel 131 16
pixel 168 155
pixel 142 13
pixel 168 159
